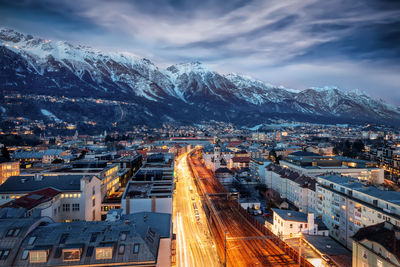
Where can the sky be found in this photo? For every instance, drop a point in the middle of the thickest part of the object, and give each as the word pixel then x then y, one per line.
pixel 352 44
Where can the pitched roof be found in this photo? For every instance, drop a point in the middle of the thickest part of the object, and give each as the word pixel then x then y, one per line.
pixel 28 183
pixel 385 234
pixel 290 215
pixel 241 159
pixel 33 199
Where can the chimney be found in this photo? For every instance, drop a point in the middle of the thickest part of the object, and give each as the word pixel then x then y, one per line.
pixel 388 226
pixel 310 222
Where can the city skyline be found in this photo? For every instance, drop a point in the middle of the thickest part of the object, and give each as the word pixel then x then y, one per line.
pixel 297 45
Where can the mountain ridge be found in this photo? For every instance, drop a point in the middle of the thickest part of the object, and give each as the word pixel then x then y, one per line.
pixel 39 66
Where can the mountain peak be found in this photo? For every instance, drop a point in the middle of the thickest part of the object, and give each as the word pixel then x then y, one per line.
pixel 326 88
pixel 194 66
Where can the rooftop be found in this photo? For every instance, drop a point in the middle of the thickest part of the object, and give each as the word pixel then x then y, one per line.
pixel 33 199
pixel 385 234
pixel 133 239
pixel 290 215
pixel 29 183
pixel 354 184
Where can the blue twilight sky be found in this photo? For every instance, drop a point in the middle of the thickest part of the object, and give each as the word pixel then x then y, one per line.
pixel 353 44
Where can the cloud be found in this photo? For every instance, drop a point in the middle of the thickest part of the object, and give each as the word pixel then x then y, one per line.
pixel 304 43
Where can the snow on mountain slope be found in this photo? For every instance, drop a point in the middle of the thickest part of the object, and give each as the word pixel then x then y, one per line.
pixel 257 92
pixel 126 70
pixel 56 67
pixel 194 80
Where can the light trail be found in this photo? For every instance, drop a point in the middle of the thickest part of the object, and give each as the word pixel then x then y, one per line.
pixel 193 236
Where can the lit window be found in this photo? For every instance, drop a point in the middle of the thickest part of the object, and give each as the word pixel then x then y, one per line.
pixel 103 253
pixel 75 195
pixel 39 256
pixel 71 254
pixel 379 263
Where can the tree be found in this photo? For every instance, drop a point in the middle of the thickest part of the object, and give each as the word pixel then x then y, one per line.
pixel 5 153
pixel 108 139
pixel 82 155
pixel 57 161
pixel 358 146
pixel 272 155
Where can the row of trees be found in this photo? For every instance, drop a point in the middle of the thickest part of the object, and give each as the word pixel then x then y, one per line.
pixel 349 149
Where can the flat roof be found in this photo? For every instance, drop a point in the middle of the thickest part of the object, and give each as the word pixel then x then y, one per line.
pixel 354 184
pixel 290 215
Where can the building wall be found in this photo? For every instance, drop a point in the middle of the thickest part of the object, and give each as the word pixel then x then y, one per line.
pixel 364 256
pixel 162 205
pixel 344 215
pixel 92 197
pixel 302 198
pixel 375 175
pixel 8 169
pixel 164 253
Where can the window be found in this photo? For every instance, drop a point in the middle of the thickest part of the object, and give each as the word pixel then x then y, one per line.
pixel 32 240
pixel 71 254
pixel 364 254
pixel 93 237
pixel 25 255
pixel 93 190
pixel 291 226
pixel 4 254
pixel 93 201
pixel 89 252
pixel 305 226
pixel 123 236
pixel 103 253
pixel 121 249
pixel 379 263
pixel 39 256
pixel 63 238
pixel 66 207
pixel 75 207
pixel 13 232
pixel 136 248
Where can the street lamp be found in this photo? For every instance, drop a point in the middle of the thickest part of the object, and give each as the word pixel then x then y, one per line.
pixel 301 239
pixel 226 232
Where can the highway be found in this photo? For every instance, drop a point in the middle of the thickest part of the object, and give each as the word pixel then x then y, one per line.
pixel 245 245
pixel 194 243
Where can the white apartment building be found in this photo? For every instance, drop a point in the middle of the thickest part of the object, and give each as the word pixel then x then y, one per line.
pixel 346 205
pixel 288 223
pixel 297 189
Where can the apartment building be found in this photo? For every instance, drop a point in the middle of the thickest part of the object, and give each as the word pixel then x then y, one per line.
pixel 346 205
pixel 141 239
pixel 377 245
pixel 288 224
pixel 317 165
pixel 151 189
pixel 7 169
pixel 107 173
pixel 298 189
pixel 79 197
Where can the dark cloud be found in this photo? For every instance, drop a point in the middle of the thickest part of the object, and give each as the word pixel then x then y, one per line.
pixel 255 37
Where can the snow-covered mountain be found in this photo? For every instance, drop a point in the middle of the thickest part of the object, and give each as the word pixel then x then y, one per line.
pixel 38 66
